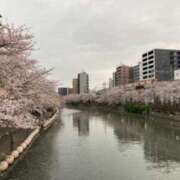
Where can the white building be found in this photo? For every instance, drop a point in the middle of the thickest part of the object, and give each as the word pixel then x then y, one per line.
pixel 140 71
pixel 177 74
pixel 137 72
pixel 160 64
pixel 83 82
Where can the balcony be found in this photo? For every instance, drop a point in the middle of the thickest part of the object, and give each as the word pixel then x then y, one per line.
pixel 144 55
pixel 150 62
pixel 150 52
pixel 151 57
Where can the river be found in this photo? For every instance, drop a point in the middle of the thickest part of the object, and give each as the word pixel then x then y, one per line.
pixel 85 145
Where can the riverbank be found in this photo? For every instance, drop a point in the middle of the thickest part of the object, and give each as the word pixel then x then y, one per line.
pixel 121 110
pixel 17 153
pixel 151 98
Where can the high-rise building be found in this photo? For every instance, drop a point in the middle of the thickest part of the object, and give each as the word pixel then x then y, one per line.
pixel 160 64
pixel 83 83
pixel 137 72
pixel 123 75
pixel 75 86
pixel 114 79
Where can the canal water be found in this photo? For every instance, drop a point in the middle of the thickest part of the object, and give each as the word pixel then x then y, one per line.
pixel 84 145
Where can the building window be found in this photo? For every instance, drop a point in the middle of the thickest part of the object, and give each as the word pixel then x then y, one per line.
pixel 152 66
pixel 151 57
pixel 145 64
pixel 144 55
pixel 144 68
pixel 151 52
pixel 151 76
pixel 150 62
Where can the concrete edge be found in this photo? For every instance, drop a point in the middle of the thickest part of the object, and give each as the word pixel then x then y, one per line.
pixel 49 122
pixel 12 159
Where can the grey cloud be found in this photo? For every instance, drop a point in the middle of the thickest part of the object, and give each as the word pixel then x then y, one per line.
pixel 95 35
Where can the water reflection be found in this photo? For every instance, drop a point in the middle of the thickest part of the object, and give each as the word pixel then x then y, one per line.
pixel 128 131
pixel 160 139
pixel 81 122
pixel 115 147
pixel 160 144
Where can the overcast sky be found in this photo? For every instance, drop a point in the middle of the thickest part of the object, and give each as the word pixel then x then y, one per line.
pixel 95 35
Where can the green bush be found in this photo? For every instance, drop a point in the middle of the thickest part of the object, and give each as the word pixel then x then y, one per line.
pixel 137 108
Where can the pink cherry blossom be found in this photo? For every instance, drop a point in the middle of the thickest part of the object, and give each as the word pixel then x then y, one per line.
pixel 164 91
pixel 25 90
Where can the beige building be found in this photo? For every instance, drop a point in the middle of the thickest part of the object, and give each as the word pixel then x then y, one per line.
pixel 75 86
pixel 124 75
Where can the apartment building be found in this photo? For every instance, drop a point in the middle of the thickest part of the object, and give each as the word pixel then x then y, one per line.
pixel 160 64
pixel 123 75
pixel 137 72
pixel 83 83
pixel 75 86
pixel 114 79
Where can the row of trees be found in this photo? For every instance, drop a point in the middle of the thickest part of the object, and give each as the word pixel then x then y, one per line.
pixel 27 97
pixel 163 96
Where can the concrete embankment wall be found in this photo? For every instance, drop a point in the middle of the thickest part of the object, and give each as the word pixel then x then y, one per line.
pixel 17 152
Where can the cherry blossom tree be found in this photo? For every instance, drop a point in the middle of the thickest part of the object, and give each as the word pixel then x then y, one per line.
pixel 26 94
pixel 166 92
